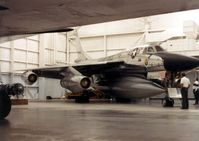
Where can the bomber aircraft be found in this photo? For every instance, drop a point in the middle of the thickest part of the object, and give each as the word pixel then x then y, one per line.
pixel 123 75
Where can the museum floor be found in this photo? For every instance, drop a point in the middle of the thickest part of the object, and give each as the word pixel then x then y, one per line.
pixel 100 121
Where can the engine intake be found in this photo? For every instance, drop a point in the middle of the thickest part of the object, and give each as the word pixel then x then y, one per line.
pixel 29 77
pixel 85 83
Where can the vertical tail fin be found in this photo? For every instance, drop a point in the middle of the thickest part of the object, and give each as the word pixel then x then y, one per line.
pixel 75 40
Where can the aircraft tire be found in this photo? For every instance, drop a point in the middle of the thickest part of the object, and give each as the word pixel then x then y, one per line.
pixel 169 102
pixel 82 99
pixel 123 100
pixel 5 106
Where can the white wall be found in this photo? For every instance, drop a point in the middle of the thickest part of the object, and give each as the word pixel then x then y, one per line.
pixel 171 30
pixel 33 52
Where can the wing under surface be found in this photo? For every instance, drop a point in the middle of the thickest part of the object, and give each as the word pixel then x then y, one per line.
pixel 37 16
pixel 86 69
pixel 108 68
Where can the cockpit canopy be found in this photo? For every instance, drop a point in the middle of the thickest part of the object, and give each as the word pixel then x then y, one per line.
pixel 146 50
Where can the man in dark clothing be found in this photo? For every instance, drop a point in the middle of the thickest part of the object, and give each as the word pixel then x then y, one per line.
pixel 196 91
pixel 185 84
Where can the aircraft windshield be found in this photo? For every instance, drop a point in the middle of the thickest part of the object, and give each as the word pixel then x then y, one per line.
pixel 159 49
pixel 145 50
pixel 153 49
pixel 136 51
pixel 149 50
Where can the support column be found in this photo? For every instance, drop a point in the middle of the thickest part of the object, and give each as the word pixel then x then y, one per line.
pixel 67 49
pixel 11 75
pixel 105 46
pixel 41 80
pixel 41 51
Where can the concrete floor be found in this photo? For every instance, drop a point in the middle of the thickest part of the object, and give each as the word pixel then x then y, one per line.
pixel 61 121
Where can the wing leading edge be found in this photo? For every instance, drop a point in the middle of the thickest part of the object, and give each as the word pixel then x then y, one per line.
pixel 107 68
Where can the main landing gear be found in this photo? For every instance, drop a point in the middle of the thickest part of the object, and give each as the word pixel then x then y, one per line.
pixel 123 100
pixel 168 102
pixel 84 97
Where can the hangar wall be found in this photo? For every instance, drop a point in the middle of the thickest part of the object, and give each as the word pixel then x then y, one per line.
pixel 32 52
pixel 98 40
pixel 176 32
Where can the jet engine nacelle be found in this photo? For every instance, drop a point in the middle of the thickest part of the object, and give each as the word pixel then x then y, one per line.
pixel 76 83
pixel 29 77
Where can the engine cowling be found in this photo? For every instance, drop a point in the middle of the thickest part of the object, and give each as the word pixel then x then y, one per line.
pixel 29 77
pixel 76 83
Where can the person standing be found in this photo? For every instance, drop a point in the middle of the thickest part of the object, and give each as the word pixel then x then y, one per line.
pixel 185 84
pixel 196 91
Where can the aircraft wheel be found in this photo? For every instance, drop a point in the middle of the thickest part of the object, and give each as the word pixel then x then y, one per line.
pixel 82 99
pixel 5 106
pixel 169 102
pixel 123 100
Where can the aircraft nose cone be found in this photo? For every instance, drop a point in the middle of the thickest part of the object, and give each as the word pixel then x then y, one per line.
pixel 177 62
